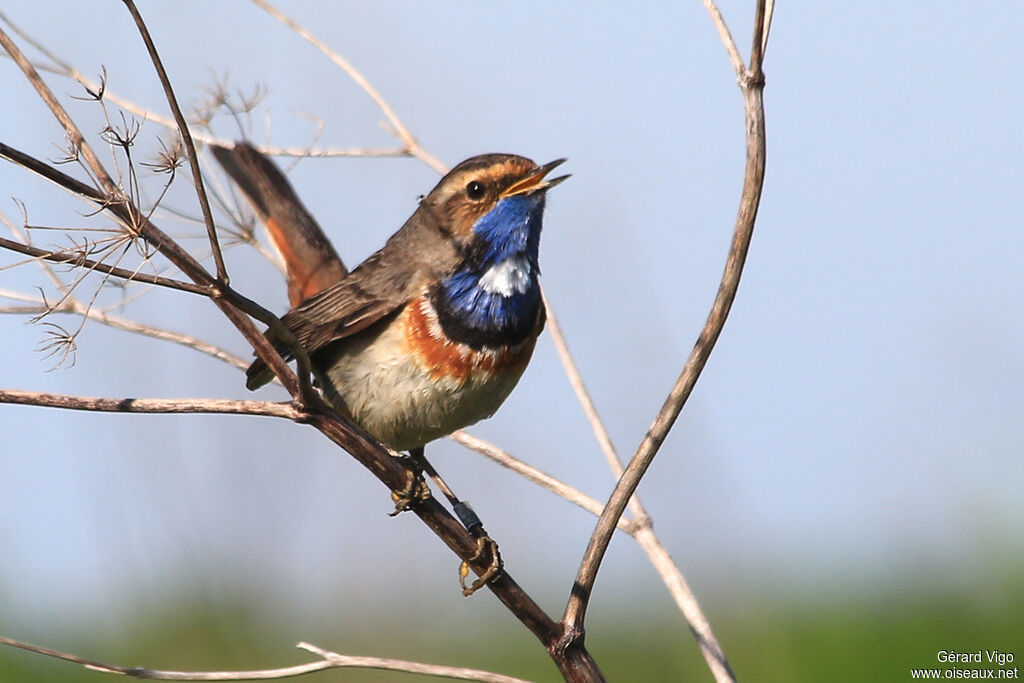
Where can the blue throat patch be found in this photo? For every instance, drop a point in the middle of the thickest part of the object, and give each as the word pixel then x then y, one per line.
pixel 476 309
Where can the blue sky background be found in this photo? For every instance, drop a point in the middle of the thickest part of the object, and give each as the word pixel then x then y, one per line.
pixel 857 429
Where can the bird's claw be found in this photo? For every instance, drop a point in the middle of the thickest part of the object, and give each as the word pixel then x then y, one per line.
pixel 485 545
pixel 416 491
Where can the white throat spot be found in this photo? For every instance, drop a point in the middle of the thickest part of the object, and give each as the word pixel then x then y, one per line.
pixel 511 276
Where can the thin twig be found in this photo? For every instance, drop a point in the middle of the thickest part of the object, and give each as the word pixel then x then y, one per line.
pixel 183 130
pixel 769 11
pixel 62 68
pixel 572 372
pixel 726 36
pixel 542 479
pixel 235 306
pixel 409 143
pixel 123 273
pixel 73 306
pixel 149 405
pixel 329 660
pixel 78 141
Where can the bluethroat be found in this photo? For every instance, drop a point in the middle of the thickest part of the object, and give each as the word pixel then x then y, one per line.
pixel 432 332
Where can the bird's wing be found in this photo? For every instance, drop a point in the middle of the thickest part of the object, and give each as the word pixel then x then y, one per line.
pixel 379 287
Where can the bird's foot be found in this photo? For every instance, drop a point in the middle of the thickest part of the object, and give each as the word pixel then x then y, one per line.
pixel 415 491
pixel 485 546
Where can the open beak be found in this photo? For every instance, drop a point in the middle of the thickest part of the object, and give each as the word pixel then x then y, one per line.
pixel 535 181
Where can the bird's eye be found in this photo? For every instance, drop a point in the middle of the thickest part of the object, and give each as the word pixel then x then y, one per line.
pixel 476 190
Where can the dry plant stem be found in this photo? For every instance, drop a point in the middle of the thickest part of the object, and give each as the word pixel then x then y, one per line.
pixel 725 35
pixel 640 527
pixel 575 663
pixel 178 256
pixel 75 307
pixel 542 479
pixel 114 201
pixel 78 142
pixel 572 372
pixel 641 530
pixel 79 262
pixel 190 148
pixel 149 405
pixel 62 68
pixel 752 84
pixel 409 144
pixel 232 304
pixel 769 12
pixel 162 334
pixel 329 660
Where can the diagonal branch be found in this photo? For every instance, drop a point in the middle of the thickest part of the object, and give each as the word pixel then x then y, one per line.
pixel 78 142
pixel 542 479
pixel 409 143
pixel 575 662
pixel 190 148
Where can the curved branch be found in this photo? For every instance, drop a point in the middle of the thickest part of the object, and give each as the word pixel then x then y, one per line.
pixel 752 86
pixel 640 527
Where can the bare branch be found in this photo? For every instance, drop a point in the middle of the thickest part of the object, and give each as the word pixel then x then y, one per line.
pixel 75 307
pixel 409 144
pixel 411 667
pixel 235 306
pixel 66 70
pixel 542 479
pixel 190 147
pixel 726 36
pixel 76 260
pixel 752 86
pixel 150 405
pixel 575 662
pixel 641 529
pixel 769 10
pixel 78 142
pixel 330 660
pixel 572 372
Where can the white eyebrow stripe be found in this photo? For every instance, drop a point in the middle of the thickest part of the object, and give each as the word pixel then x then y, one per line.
pixel 511 276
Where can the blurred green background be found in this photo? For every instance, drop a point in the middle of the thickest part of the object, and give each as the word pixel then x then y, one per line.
pixel 833 637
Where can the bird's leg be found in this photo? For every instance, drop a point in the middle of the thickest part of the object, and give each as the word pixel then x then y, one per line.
pixel 485 545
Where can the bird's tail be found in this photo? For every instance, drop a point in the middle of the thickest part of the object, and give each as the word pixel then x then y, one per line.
pixel 312 263
pixel 310 260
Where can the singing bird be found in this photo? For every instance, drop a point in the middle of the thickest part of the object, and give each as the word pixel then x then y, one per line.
pixel 432 332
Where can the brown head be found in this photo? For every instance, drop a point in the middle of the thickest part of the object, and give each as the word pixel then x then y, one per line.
pixel 474 187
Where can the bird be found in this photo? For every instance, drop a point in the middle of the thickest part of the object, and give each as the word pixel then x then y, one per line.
pixel 432 332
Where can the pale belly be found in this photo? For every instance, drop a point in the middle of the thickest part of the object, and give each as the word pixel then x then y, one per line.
pixel 406 388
